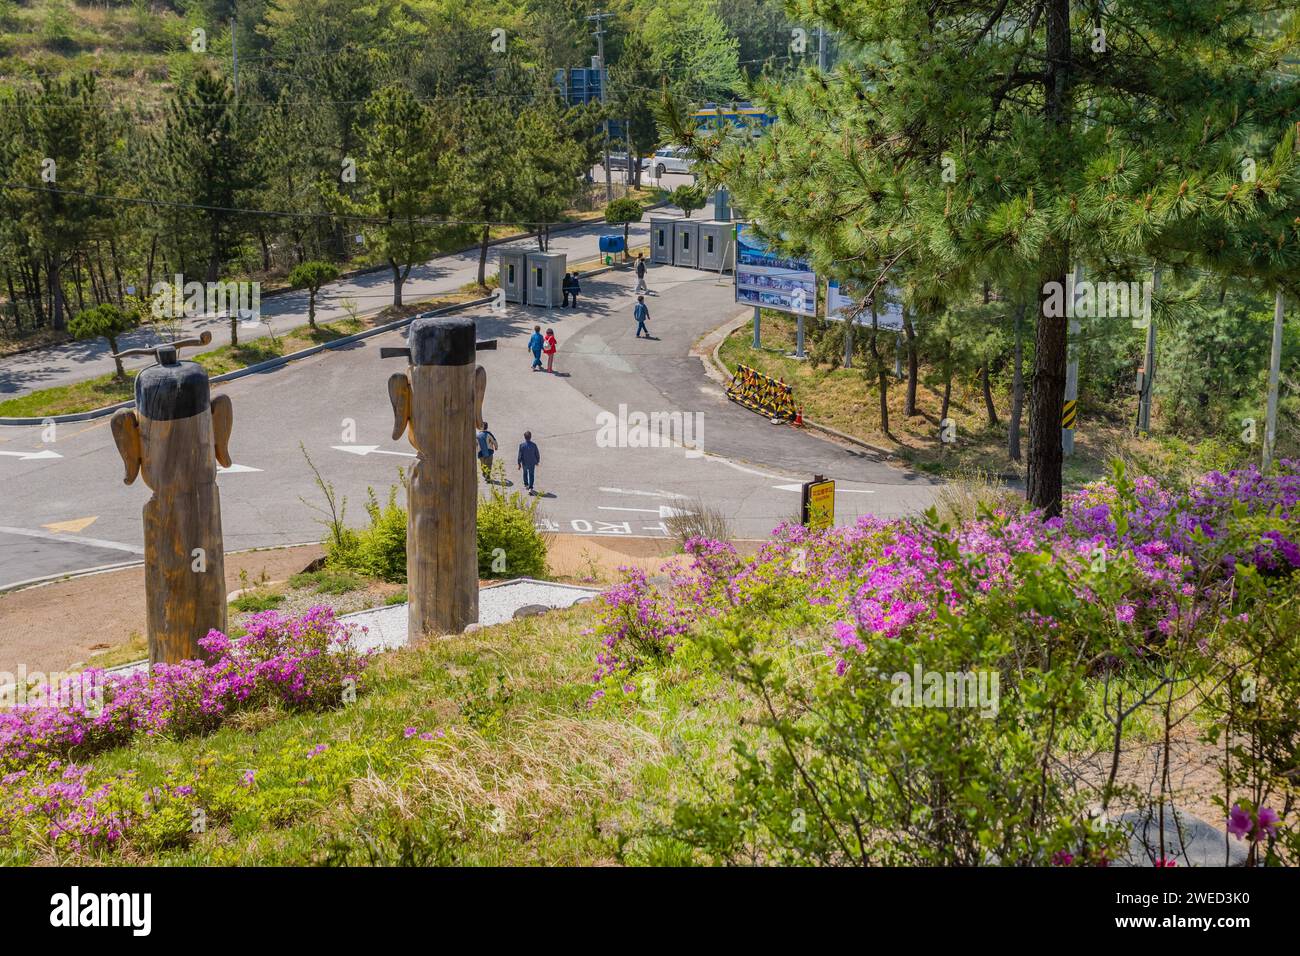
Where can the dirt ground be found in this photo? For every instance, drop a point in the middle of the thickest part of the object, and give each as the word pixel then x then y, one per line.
pixel 61 625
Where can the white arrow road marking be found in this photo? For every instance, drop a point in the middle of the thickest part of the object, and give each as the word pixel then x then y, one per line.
pixel 235 469
pixel 841 491
pixel 32 455
pixel 645 494
pixel 662 511
pixel 666 512
pixel 369 449
pixel 77 539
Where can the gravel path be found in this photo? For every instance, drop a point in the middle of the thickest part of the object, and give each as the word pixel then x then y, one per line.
pixel 385 628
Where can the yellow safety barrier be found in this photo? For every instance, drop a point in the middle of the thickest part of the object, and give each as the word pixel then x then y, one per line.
pixel 770 397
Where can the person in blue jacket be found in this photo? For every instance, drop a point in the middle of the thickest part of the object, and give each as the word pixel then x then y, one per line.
pixel 530 456
pixel 535 343
pixel 642 314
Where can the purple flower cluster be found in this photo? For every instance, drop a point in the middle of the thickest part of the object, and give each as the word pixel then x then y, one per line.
pixel 879 579
pixel 64 800
pixel 1243 824
pixel 302 663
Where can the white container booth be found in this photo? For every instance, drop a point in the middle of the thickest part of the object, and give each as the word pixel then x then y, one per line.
pixel 686 243
pixel 512 274
pixel 661 241
pixel 546 278
pixel 717 246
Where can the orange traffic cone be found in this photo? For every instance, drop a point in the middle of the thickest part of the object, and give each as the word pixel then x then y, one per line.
pixel 798 418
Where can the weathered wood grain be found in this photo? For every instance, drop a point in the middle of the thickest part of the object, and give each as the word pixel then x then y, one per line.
pixel 442 493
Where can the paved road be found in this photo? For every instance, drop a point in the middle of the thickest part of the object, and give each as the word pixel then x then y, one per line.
pixel 335 405
pixel 78 361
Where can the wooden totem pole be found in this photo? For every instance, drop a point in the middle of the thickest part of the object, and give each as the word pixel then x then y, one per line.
pixel 438 403
pixel 174 437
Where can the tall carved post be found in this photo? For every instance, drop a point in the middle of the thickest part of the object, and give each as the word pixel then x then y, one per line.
pixel 174 437
pixel 437 402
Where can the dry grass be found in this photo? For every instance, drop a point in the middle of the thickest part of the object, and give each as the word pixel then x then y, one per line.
pixel 847 400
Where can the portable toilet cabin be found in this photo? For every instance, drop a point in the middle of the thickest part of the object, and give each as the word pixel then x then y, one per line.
pixel 717 246
pixel 511 269
pixel 686 243
pixel 546 278
pixel 661 241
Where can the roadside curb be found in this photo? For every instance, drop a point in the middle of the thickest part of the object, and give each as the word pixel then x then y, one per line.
pixel 717 370
pixel 372 270
pixel 269 364
pixel 266 366
pixel 62 576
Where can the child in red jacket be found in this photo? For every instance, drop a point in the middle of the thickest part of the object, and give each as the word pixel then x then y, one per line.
pixel 548 349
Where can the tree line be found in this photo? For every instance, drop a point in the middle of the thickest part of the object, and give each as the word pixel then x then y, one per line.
pixel 377 135
pixel 977 160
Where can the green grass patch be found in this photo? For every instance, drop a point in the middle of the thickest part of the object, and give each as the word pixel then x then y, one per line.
pixel 328 581
pixel 256 601
pixel 109 390
pixel 473 749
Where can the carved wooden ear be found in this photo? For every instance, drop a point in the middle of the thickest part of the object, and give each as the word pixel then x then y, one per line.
pixel 126 433
pixel 480 386
pixel 223 420
pixel 399 393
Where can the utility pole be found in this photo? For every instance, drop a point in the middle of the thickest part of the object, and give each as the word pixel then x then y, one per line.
pixel 234 56
pixel 600 17
pixel 1148 384
pixel 1070 411
pixel 1274 374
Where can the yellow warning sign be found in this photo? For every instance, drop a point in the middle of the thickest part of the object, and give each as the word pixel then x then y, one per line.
pixel 819 505
pixel 1069 414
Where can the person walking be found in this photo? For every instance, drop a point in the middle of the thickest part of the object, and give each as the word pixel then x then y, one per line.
pixel 641 314
pixel 548 348
pixel 574 289
pixel 530 456
pixel 487 447
pixel 566 286
pixel 535 343
pixel 640 273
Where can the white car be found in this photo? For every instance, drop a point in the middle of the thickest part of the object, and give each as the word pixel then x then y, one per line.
pixel 671 159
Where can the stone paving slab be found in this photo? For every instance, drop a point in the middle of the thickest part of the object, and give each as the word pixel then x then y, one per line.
pixel 385 628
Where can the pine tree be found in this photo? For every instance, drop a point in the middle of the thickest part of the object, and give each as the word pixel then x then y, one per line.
pixel 1007 140
pixel 203 160
pixel 398 189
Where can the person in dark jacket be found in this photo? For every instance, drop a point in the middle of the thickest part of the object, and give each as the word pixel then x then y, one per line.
pixel 566 286
pixel 487 447
pixel 640 273
pixel 574 289
pixel 530 456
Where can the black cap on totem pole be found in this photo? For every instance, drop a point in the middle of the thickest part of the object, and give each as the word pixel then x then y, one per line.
pixel 172 388
pixel 443 340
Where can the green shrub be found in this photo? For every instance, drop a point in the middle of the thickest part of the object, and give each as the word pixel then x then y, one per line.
pixel 377 550
pixel 509 544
